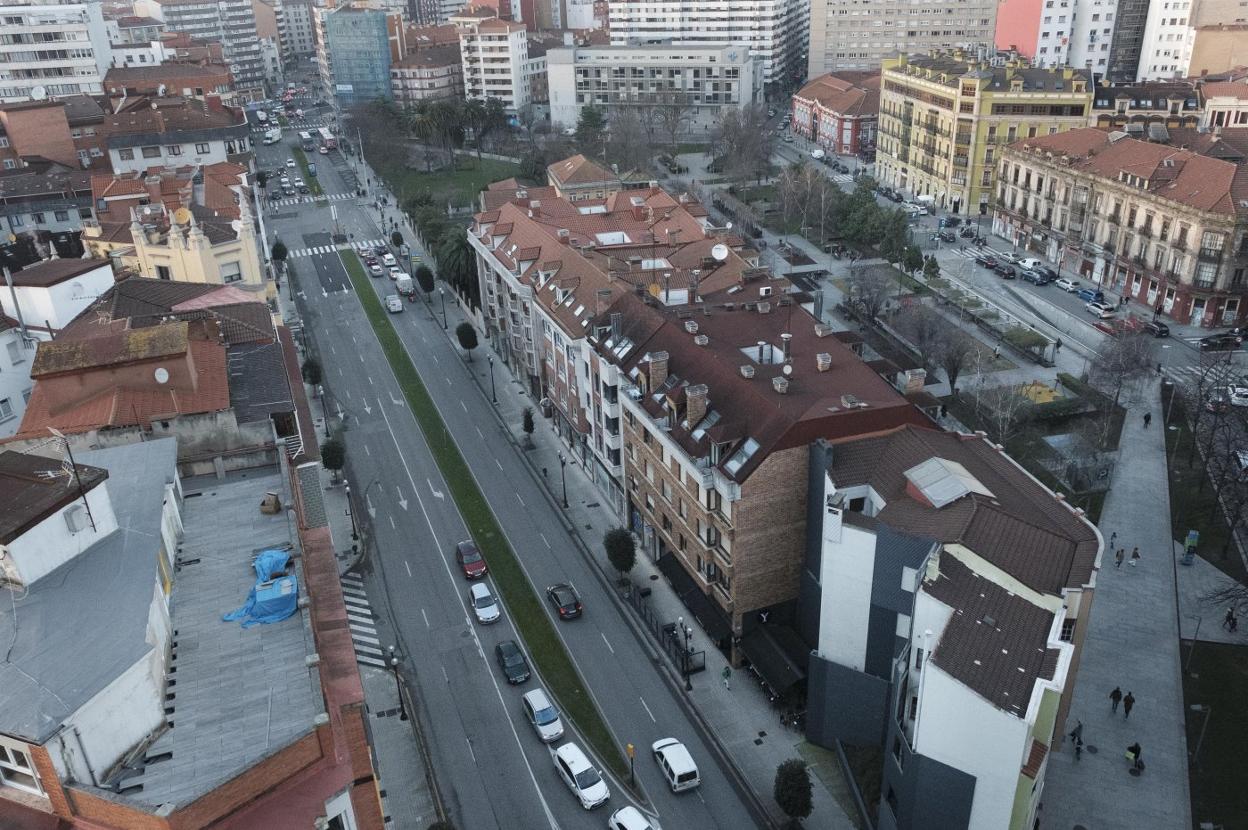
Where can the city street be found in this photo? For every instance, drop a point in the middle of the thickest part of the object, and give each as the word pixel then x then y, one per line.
pixel 491 767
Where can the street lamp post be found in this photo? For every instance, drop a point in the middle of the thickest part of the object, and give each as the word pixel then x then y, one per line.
pixel 355 531
pixel 493 391
pixel 685 635
pixel 1208 713
pixel 398 685
pixel 563 476
pixel 442 293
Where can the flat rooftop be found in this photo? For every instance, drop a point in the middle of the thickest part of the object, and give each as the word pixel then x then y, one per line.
pixel 241 694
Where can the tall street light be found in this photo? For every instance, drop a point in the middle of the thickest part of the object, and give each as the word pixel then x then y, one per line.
pixel 685 634
pixel 398 685
pixel 442 293
pixel 563 463
pixel 493 391
pixel 355 531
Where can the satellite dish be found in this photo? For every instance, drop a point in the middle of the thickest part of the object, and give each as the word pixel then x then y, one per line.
pixel 788 369
pixel 147 210
pixel 237 225
pixel 160 90
pixel 162 374
pixel 727 226
pixel 39 93
pixel 182 216
pixel 720 252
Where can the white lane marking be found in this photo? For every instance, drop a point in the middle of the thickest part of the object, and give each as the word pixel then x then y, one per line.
pixel 426 616
pixel 464 405
pixel 409 572
pixel 499 463
pixel 647 708
pixel 604 639
pixel 437 494
pixel 367 451
pixel 544 539
pixel 478 429
pixel 435 359
pixel 522 504
pixel 470 752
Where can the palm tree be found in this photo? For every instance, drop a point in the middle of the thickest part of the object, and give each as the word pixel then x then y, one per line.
pixel 421 123
pixel 474 116
pixel 457 264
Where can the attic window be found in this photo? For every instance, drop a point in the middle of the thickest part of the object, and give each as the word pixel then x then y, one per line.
pixel 943 482
pixel 741 456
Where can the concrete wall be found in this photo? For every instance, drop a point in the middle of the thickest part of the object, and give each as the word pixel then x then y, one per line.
pixel 848 568
pixel 50 544
pixel 918 793
pixel 56 305
pixel 843 704
pixel 15 380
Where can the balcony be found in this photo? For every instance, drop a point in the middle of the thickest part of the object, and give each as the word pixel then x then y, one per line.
pixel 1210 254
pixel 1114 218
pixel 1179 244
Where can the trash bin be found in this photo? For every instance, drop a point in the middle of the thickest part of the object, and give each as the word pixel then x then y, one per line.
pixel 548 408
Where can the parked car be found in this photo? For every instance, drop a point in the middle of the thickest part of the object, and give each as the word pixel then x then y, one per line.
pixel 290 162
pixel 950 222
pixel 676 764
pixel 1237 395
pixel 1029 262
pixel 947 236
pixel 817 154
pixel 387 258
pixel 1036 276
pixel 483 603
pixel 563 596
pixel 579 774
pixel 1006 271
pixel 470 560
pixel 967 232
pixel 303 188
pixel 1067 284
pixel 394 304
pixel 788 139
pixel 630 818
pixel 1090 295
pixel 324 151
pixel 1157 328
pixel 512 661
pixel 985 259
pixel 376 270
pixel 542 715
pixel 1101 311
pixel 1224 342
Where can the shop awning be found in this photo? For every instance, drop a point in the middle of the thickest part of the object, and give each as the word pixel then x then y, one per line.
pixel 703 609
pixel 776 664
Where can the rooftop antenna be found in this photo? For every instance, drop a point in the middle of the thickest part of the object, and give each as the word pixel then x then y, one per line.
pixel 69 453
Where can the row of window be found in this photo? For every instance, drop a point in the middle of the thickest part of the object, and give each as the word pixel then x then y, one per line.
pixel 153 151
pixel 41 217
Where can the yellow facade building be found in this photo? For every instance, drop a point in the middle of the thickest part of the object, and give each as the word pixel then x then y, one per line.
pixel 945 116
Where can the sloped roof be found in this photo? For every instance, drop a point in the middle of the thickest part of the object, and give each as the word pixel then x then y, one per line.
pixel 56 271
pixel 64 355
pixel 578 170
pixel 33 487
pixel 140 302
pixel 847 93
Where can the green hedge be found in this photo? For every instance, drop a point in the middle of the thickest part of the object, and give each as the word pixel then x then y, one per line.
pixel 313 183
pixel 527 615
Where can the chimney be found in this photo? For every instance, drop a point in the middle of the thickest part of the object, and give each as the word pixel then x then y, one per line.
pixel 658 369
pixel 615 326
pixel 762 354
pixel 602 299
pixel 786 343
pixel 695 403
pixel 915 378
pixel 823 361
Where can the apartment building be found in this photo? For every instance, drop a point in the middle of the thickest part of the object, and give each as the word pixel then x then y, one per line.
pixel 188 80
pixel 948 594
pixel 133 29
pixel 1127 44
pixel 357 46
pixel 1169 37
pixel 1218 48
pixel 47 295
pixel 848 35
pixel 428 74
pixel 495 55
pixel 17 348
pixel 839 112
pixel 51 49
pixel 43 212
pixel 944 117
pixel 232 23
pixel 1171 103
pixel 296 26
pixel 1163 226
pixel 1225 105
pixel 171 131
pixel 774 31
pixel 689 84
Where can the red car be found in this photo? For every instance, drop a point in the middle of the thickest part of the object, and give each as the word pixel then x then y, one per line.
pixel 470 559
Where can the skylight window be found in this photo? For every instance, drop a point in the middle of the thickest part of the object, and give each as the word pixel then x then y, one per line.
pixel 612 238
pixel 655 264
pixel 739 458
pixel 710 420
pixel 943 482
pixel 770 353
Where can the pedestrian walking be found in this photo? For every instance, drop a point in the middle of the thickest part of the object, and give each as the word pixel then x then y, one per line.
pixel 1127 703
pixel 1135 556
pixel 1119 556
pixel 1229 621
pixel 1135 756
pixel 1113 539
pixel 1114 697
pixel 1057 345
pixel 1076 734
pixel 727 676
pixel 1148 419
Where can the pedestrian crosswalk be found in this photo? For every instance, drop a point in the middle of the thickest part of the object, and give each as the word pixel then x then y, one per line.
pixel 841 178
pixel 362 622
pixel 303 200
pixel 361 247
pixel 1207 376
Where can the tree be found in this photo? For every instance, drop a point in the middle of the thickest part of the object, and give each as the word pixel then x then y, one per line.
pixel 262 179
pixel 793 790
pixel 526 424
pixel 871 287
pixel 953 353
pixel 924 328
pixel 279 251
pixel 334 455
pixel 591 131
pixel 931 268
pixel 467 337
pixel 621 550
pixel 396 239
pixel 424 278
pixel 912 260
pixel 1004 409
pixel 742 144
pixel 627 147
pixel 311 371
pixel 672 112
pixel 1122 361
pixel 894 236
pixel 458 265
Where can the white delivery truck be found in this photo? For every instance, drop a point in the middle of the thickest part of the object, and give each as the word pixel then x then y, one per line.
pixel 261 116
pixel 272 136
pixel 403 284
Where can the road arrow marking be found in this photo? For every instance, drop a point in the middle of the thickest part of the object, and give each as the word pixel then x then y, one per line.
pixel 402 501
pixel 368 410
pixel 372 511
pixel 437 494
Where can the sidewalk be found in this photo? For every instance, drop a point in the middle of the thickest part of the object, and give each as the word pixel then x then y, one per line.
pixel 1132 643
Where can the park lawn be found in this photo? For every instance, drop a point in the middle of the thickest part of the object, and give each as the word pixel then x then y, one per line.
pixel 314 184
pixel 545 649
pixel 1218 679
pixel 458 187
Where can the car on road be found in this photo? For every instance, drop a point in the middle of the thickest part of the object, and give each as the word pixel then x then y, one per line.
pixel 950 222
pixel 1224 342
pixel 470 560
pixel 771 112
pixel 676 764
pixel 788 139
pixel 1090 295
pixel 579 774
pixel 1036 277
pixel 324 151
pixel 1241 461
pixel 290 162
pixel 376 270
pixel 387 258
pixel 1101 311
pixel 1237 395
pixel 1068 285
pixel 985 258
pixel 303 188
pixel 967 232
pixel 1030 262
pixel 947 236
pixel 630 818
pixel 542 715
pixel 394 304
pixel 817 154
pixel 484 604
pixel 1157 328
pixel 512 661
pixel 564 597
pixel 395 272
pixel 1005 270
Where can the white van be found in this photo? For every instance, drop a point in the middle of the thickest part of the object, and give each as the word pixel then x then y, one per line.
pixel 676 764
pixel 403 284
pixel 1029 262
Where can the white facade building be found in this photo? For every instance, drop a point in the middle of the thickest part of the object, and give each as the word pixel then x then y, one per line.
pixel 773 30
pixel 853 35
pixel 495 55
pixel 296 21
pixel 1168 40
pixel 52 49
pixel 704 79
pixel 51 293
pixel 16 354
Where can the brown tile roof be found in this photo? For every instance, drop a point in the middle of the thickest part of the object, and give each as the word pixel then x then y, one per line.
pixel 33 487
pixel 578 170
pixel 169 119
pixel 1181 176
pixel 140 302
pixel 60 356
pixel 56 271
pixel 431 56
pixel 996 642
pixel 1224 89
pixel 1021 528
pixel 848 93
pixel 1035 758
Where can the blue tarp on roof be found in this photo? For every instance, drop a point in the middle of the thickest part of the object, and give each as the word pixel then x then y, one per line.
pixel 271 599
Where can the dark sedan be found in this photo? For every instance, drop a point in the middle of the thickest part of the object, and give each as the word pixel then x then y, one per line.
pixel 1157 328
pixel 512 661
pixel 565 600
pixel 1006 270
pixel 1220 342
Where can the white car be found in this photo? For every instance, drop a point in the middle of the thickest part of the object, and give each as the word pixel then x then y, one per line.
pixel 1068 285
pixel 1100 310
pixel 1237 395
pixel 788 139
pixel 394 304
pixel 484 605
pixel 630 818
pixel 542 715
pixel 579 774
pixel 290 162
pixel 395 272
pixel 376 270
pixel 388 259
pixel 324 151
pixel 676 764
pixel 817 154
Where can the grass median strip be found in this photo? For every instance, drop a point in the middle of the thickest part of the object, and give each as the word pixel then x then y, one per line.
pixel 543 644
pixel 314 185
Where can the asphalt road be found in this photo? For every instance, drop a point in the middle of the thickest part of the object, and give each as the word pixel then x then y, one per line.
pixel 493 769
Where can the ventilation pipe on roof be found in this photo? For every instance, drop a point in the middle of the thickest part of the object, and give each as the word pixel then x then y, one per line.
pixel 762 354
pixel 786 341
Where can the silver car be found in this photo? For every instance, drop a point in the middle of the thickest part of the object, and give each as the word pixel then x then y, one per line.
pixel 542 715
pixel 483 603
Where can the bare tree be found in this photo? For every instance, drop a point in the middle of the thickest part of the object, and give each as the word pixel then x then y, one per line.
pixel 871 288
pixel 1122 362
pixel 742 144
pixel 1004 409
pixel 953 354
pixel 626 145
pixel 672 113
pixel 925 329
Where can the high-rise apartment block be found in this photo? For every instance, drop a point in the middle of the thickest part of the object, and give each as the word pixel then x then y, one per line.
pixel 230 22
pixel 848 34
pixel 356 46
pixel 52 49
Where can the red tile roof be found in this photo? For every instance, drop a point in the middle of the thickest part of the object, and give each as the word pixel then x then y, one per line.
pixel 849 93
pixel 579 170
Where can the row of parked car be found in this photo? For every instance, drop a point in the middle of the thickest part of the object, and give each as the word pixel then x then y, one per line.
pixel 572 765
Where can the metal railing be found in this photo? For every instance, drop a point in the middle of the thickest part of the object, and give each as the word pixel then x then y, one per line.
pixel 663 632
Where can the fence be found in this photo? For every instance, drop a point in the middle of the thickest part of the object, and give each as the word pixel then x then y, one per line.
pixel 689 661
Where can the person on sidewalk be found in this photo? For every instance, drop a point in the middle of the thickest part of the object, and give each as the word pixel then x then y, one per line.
pixel 1076 734
pixel 1127 703
pixel 1148 419
pixel 1114 697
pixel 1134 755
pixel 1135 555
pixel 1229 622
pixel 727 676
pixel 1113 539
pixel 1119 556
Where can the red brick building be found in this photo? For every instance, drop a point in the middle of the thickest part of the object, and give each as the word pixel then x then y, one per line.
pixel 838 112
pixel 190 80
